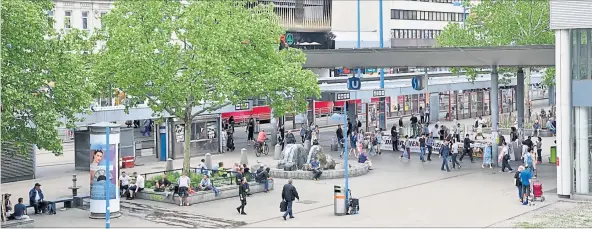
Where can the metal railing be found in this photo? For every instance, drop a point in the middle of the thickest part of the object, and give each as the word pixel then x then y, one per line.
pixel 218 178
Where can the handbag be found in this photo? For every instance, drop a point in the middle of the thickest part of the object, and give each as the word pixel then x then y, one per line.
pixel 283 206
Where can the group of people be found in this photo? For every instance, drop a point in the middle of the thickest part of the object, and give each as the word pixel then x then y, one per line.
pixel 130 185
pixel 19 210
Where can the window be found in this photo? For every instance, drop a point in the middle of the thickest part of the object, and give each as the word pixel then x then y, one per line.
pixel 102 15
pixel 395 14
pixel 68 19
pixel 50 18
pixel 85 20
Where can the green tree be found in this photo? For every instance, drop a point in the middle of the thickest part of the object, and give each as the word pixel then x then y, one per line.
pixel 191 57
pixel 43 76
pixel 501 23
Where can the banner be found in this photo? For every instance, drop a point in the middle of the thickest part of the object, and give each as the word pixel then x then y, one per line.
pixel 99 170
pixel 387 144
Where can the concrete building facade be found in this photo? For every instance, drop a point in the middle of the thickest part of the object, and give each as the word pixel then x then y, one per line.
pixel 572 23
pixel 405 22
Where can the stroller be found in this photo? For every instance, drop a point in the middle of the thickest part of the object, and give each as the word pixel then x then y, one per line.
pixel 230 142
pixel 537 190
pixel 353 205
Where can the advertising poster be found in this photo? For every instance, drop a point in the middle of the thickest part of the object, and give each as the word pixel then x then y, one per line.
pixel 388 145
pixel 98 173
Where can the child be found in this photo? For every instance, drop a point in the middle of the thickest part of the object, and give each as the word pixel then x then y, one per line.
pixel 518 182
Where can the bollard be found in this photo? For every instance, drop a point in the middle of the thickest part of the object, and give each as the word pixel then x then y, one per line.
pixel 244 159
pixel 277 155
pixel 307 146
pixel 74 187
pixel 169 164
pixel 209 160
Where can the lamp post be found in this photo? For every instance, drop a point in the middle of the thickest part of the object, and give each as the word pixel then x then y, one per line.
pixel 107 179
pixel 381 38
pixel 464 17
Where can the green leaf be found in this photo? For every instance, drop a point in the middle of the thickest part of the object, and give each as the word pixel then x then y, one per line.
pixel 500 23
pixel 44 76
pixel 204 54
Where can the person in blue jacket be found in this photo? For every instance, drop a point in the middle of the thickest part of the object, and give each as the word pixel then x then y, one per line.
pixel 36 198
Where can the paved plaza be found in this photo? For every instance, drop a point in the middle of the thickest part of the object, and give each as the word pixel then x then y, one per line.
pixel 395 194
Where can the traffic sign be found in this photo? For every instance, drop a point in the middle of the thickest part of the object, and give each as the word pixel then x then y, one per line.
pixel 290 39
pixel 354 83
pixel 417 83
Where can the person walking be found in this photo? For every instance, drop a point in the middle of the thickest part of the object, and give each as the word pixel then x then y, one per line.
pixel 422 147
pixel 395 138
pixel 539 150
pixel 467 149
pixel 455 154
pixel 242 195
pixel 487 156
pixel 444 153
pixel 430 146
pixel 406 149
pixel 302 133
pixel 518 182
pixel 289 194
pixel 505 158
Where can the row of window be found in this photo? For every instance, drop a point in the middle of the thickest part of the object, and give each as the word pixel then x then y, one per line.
pixel 436 1
pixel 426 15
pixel 415 33
pixel 68 18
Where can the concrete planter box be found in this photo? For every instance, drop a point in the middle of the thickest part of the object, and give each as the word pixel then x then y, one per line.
pixel 230 191
pixel 527 132
pixel 356 169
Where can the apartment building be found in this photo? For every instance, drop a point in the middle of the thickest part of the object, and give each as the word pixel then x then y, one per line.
pixel 406 23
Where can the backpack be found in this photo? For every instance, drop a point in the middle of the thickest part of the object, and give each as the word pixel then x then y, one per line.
pixel 375 141
pixel 476 124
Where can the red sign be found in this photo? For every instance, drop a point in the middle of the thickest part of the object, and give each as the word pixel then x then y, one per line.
pixel 557 161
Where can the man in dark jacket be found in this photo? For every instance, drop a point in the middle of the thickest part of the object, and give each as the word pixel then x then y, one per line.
pixel 339 133
pixel 36 199
pixel 242 195
pixel 395 138
pixel 467 148
pixel 289 194
pixel 528 142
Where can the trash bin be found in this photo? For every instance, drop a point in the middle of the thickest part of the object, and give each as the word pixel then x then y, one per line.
pixel 127 162
pixel 553 156
pixel 339 200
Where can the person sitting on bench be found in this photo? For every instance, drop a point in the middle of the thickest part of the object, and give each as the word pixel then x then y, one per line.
pixel 316 169
pixel 206 185
pixel 162 183
pixel 125 181
pixel 137 185
pixel 36 199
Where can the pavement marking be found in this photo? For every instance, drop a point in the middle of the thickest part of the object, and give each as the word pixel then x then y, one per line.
pixel 371 195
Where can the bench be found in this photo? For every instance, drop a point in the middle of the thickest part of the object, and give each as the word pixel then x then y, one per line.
pixel 66 200
pixel 18 223
pixel 227 191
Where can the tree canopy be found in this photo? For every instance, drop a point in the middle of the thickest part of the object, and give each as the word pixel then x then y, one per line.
pixel 191 57
pixel 43 76
pixel 501 23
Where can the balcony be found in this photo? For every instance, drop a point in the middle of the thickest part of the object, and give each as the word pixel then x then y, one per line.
pixel 411 42
pixel 303 15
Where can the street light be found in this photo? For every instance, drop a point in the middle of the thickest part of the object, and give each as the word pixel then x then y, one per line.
pixel 464 18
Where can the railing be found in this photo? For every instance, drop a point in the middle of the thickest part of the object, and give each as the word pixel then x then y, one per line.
pixel 218 177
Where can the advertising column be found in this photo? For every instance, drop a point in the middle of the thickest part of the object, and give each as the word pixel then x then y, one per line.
pixel 99 153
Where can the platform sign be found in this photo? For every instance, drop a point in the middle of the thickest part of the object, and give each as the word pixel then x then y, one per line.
pixel 242 106
pixel 342 96
pixel 418 83
pixel 354 83
pixel 378 93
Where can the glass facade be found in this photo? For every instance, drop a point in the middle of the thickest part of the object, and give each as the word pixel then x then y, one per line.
pixel 581 69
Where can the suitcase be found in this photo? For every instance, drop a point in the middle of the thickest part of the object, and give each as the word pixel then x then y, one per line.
pixel 537 190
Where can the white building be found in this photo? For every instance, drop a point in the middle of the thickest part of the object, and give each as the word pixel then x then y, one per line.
pixel 79 14
pixel 405 22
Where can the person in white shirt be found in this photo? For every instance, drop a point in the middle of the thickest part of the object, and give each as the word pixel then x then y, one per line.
pixel 184 185
pixel 124 180
pixel 455 154
pixel 137 185
pixel 203 169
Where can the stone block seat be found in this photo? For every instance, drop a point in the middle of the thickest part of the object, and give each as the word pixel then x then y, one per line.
pixel 22 223
pixel 356 169
pixel 227 191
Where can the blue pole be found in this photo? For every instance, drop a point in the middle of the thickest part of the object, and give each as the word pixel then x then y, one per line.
pixel 346 153
pixel 464 15
pixel 359 45
pixel 380 32
pixel 107 180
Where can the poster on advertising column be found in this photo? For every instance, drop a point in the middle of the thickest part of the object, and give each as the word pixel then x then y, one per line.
pixel 98 176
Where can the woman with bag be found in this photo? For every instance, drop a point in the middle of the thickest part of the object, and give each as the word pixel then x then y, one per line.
pixel 505 158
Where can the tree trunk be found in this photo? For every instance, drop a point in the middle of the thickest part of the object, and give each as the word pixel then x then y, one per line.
pixel 187 145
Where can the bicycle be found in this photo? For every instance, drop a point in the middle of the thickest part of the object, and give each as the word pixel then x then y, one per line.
pixel 264 148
